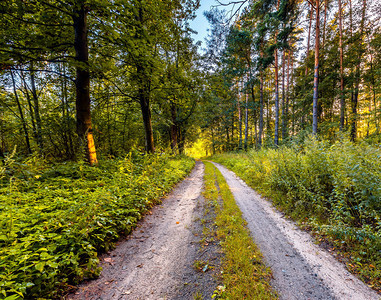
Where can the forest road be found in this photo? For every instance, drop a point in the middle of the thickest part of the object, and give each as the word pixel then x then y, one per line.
pixel 301 269
pixel 156 260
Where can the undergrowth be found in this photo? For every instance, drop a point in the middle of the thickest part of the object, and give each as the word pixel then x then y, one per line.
pixel 334 190
pixel 243 273
pixel 56 219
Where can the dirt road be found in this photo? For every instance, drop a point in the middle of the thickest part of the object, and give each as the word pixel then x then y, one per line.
pixel 301 269
pixel 156 261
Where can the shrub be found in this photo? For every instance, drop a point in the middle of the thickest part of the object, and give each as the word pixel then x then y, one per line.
pixel 54 221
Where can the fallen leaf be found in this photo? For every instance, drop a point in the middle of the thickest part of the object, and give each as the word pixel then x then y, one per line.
pixel 109 260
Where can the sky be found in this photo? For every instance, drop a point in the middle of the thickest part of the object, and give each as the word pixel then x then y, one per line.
pixel 200 24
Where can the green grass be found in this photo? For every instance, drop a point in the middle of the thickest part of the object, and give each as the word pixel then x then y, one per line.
pixel 244 274
pixel 56 219
pixel 332 190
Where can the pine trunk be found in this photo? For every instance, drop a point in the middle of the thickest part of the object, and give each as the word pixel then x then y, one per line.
pixel 316 73
pixel 260 133
pixel 342 97
pixel 309 39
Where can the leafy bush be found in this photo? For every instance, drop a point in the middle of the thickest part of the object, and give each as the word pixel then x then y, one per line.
pixel 334 189
pixel 56 219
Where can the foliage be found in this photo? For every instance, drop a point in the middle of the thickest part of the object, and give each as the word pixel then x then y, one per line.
pixel 244 274
pixel 332 189
pixel 55 219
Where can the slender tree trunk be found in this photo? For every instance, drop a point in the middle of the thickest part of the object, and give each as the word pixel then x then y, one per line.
pixel 309 38
pixel 232 136
pixel 37 117
pixel 284 129
pixel 146 113
pixel 276 130
pixel 239 123
pixel 23 122
pixel 325 21
pixel 246 121
pixel 260 133
pixel 227 137
pixel 84 126
pixel 316 73
pixel 174 132
pixel 342 97
pixel 357 77
pixel 285 118
pixel 373 81
pixel 144 89
pixel 30 105
pixel 268 115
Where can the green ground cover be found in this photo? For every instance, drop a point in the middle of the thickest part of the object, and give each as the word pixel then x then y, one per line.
pixel 244 274
pixel 56 219
pixel 333 190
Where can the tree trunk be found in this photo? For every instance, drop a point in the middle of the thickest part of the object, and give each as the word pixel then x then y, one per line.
pixel 316 74
pixel 36 107
pixel 82 83
pixel 23 122
pixel 239 124
pixel 325 21
pixel 246 121
pixel 174 127
pixel 357 77
pixel 342 99
pixel 276 130
pixel 146 113
pixel 309 39
pixel 285 118
pixel 373 81
pixel 284 129
pixel 30 105
pixel 260 133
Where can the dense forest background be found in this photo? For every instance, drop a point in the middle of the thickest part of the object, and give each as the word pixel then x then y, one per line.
pixel 87 78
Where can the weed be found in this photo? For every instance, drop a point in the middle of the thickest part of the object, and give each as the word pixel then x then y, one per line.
pixel 242 279
pixel 198 296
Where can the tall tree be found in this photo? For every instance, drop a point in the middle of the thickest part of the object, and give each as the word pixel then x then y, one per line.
pixel 316 71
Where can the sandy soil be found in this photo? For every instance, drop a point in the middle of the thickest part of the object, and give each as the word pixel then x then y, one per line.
pixel 301 269
pixel 156 262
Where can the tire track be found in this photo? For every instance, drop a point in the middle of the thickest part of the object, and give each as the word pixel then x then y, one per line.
pixel 301 269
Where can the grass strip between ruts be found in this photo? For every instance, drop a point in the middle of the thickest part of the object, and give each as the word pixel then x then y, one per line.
pixel 244 274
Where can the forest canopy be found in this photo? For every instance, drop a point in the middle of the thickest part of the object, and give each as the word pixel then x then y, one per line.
pixel 97 77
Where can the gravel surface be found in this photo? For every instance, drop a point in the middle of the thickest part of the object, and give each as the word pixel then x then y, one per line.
pixel 156 262
pixel 301 269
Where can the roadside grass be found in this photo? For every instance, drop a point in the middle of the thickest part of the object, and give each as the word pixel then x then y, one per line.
pixel 56 219
pixel 333 191
pixel 244 275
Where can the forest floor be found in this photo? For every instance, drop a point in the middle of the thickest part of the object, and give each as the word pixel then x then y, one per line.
pixel 159 260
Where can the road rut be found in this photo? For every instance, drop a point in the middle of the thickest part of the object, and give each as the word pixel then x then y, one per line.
pixel 157 258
